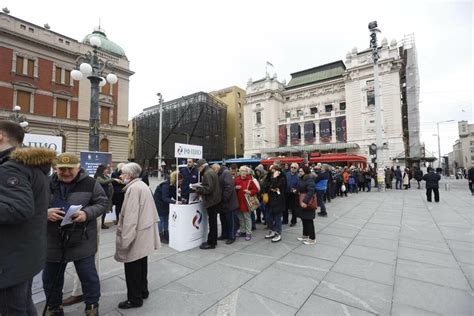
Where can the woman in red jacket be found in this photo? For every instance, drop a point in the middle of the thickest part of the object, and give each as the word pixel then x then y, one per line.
pixel 244 185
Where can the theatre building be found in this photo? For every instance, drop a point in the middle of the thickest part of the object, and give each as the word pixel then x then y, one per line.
pixel 35 74
pixel 330 108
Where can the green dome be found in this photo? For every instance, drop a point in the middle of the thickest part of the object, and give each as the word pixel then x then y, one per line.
pixel 107 45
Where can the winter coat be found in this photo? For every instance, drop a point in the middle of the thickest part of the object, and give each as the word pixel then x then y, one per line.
pixel 406 178
pixel 418 175
pixel 276 202
pixel 189 176
pixel 470 174
pixel 137 232
pixel 432 180
pixel 24 197
pixel 306 185
pixel 117 197
pixel 209 189
pixel 165 194
pixel 291 181
pixel 106 185
pixel 398 173
pixel 321 181
pixel 245 184
pixel 85 191
pixel 229 201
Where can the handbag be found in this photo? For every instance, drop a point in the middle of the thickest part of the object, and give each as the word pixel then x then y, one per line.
pixel 252 201
pixel 265 198
pixel 312 204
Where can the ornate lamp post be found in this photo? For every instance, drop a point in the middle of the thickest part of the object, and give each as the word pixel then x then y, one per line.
pixel 92 67
pixel 17 117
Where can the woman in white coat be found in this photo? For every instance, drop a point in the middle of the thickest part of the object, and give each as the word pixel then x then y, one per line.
pixel 137 234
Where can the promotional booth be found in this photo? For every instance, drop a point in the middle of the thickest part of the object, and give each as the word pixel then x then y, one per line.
pixel 188 224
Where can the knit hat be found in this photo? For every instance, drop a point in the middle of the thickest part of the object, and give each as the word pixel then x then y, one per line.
pixel 201 162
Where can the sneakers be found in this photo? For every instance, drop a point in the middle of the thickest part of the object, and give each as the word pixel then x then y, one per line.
pixel 310 242
pixel 270 235
pixel 92 310
pixel 248 237
pixel 303 238
pixel 55 311
pixel 277 237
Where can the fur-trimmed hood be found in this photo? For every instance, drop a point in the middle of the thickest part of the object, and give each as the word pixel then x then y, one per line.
pixel 34 157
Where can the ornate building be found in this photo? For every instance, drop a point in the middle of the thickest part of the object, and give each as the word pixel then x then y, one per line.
pixel 330 108
pixel 35 67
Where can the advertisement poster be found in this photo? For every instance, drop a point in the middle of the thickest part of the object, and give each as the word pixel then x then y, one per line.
pixel 341 134
pixel 295 134
pixel 44 141
pixel 309 133
pixel 90 160
pixel 325 131
pixel 282 135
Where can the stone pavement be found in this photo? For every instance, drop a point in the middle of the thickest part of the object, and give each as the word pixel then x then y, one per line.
pixel 376 253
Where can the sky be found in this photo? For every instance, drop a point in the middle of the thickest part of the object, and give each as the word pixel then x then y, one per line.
pixel 181 47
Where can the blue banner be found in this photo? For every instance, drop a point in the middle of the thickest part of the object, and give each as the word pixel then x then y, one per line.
pixel 90 160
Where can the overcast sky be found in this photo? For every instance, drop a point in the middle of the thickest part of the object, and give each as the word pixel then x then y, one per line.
pixel 181 47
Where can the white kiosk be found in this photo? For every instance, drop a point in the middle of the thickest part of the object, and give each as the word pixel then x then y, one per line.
pixel 188 224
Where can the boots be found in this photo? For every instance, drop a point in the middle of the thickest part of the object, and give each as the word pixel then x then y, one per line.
pixel 92 310
pixel 55 311
pixel 164 237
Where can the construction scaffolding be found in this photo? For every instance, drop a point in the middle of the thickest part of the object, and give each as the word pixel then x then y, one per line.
pixel 197 119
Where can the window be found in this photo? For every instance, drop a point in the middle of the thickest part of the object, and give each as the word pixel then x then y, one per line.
pixel 370 93
pixel 342 106
pixel 57 78
pixel 287 114
pixel 30 66
pixel 68 43
pixel 240 105
pixel 240 125
pixel 299 113
pixel 23 27
pixel 106 89
pixel 61 40
pixel 23 100
pixel 259 117
pixel 238 94
pixel 104 115
pixel 314 110
pixel 19 65
pixel 242 147
pixel 61 108
pixel 287 98
pixel 104 145
pixel 67 77
pixel 32 30
pixel 328 108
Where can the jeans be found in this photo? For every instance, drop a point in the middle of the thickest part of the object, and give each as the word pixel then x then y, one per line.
pixel 53 281
pixel 136 278
pixel 228 224
pixel 320 197
pixel 16 300
pixel 398 183
pixel 274 221
pixel 308 228
pixel 163 223
pixel 369 185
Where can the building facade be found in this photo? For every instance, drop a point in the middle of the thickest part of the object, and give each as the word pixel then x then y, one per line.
pixel 197 119
pixel 234 97
pixel 462 156
pixel 331 108
pixel 35 67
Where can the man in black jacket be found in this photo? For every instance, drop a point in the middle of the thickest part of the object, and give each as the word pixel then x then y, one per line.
pixel 228 205
pixel 470 178
pixel 432 184
pixel 23 207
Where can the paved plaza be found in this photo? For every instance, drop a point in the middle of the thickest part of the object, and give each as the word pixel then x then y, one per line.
pixel 389 253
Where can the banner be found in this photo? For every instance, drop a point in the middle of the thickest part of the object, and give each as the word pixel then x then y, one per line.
pixel 295 134
pixel 90 160
pixel 309 133
pixel 187 151
pixel 188 226
pixel 341 134
pixel 325 131
pixel 44 141
pixel 282 135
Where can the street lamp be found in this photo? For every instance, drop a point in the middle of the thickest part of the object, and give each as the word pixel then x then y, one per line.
pixel 160 135
pixel 17 117
pixel 439 142
pixel 92 67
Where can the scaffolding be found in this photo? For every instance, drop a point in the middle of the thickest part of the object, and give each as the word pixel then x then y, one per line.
pixel 197 119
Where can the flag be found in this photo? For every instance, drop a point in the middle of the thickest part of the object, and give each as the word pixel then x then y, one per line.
pixel 269 63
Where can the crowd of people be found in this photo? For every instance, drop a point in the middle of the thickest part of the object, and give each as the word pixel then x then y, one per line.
pixel 48 220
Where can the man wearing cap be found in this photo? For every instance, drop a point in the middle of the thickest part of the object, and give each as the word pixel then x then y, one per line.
pixel 210 191
pixel 76 242
pixel 23 210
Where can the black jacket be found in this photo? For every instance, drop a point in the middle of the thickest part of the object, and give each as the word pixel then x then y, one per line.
pixel 276 202
pixel 432 179
pixel 165 194
pixel 229 201
pixel 84 191
pixel 24 197
pixel 306 185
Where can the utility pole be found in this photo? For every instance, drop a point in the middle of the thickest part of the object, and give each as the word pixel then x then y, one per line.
pixel 160 136
pixel 373 29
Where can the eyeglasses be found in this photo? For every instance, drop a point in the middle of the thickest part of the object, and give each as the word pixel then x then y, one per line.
pixel 294 168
